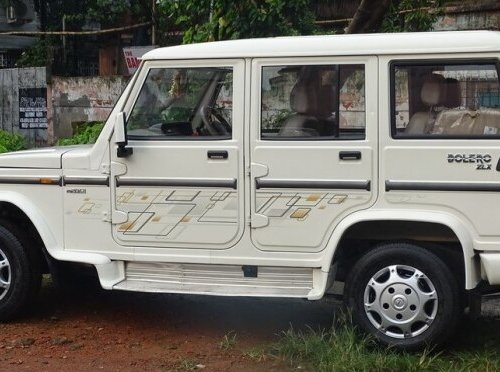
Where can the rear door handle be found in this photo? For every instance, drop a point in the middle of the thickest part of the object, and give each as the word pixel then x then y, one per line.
pixel 350 155
pixel 217 154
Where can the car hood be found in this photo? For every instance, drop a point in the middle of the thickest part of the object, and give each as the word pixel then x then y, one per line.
pixel 48 158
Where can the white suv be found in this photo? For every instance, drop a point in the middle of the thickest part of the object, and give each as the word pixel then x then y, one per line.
pixel 278 167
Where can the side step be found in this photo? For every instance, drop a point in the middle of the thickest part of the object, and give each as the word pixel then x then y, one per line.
pixel 222 280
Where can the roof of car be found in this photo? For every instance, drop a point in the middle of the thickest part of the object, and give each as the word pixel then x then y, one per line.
pixel 339 45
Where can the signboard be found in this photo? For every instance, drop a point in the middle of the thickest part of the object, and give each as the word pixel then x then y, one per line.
pixel 33 108
pixel 133 56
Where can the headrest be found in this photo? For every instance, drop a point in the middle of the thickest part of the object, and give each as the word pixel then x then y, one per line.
pixel 311 96
pixel 432 90
pixel 303 97
pixel 453 97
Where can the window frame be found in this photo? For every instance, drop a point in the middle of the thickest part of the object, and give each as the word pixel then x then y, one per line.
pixel 321 62
pixel 431 62
pixel 178 64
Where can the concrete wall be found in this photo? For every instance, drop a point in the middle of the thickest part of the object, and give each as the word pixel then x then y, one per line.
pixel 81 99
pixel 470 15
pixel 11 82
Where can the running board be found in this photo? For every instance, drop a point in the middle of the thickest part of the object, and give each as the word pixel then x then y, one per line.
pixel 221 280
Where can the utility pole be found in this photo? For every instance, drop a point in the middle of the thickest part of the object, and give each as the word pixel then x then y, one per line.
pixel 153 23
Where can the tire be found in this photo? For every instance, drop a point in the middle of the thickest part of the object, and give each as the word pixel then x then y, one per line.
pixel 20 275
pixel 405 296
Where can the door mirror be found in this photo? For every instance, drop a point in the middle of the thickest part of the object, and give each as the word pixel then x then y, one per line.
pixel 121 136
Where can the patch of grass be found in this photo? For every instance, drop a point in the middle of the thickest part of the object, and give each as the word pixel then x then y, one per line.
pixel 342 348
pixel 257 354
pixel 187 365
pixel 228 341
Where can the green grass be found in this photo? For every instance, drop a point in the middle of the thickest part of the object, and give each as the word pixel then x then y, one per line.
pixel 228 341
pixel 475 348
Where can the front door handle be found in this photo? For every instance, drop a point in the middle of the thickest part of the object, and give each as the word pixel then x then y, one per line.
pixel 350 155
pixel 217 154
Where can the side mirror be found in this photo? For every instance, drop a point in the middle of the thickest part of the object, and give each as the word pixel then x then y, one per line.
pixel 121 137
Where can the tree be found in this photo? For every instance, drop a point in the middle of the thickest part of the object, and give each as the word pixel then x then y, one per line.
pixel 208 20
pixel 394 16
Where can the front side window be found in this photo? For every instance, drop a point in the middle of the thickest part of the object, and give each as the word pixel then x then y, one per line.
pixel 445 100
pixel 313 102
pixel 183 102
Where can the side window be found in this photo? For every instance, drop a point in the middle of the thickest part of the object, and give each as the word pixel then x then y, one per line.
pixel 313 102
pixel 445 100
pixel 183 102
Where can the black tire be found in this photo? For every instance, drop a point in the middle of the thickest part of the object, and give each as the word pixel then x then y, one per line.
pixel 24 274
pixel 366 282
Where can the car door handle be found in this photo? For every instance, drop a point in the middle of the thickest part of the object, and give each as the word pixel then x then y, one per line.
pixel 217 154
pixel 350 155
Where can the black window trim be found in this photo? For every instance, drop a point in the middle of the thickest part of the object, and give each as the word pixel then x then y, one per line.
pixel 429 62
pixel 337 111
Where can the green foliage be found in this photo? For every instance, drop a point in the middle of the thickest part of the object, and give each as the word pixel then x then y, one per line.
pixel 411 15
pixel 106 12
pixel 209 20
pixel 35 56
pixel 275 121
pixel 342 348
pixel 228 341
pixel 11 142
pixel 85 134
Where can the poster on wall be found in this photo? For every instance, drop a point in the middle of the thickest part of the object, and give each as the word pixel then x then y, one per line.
pixel 133 56
pixel 33 108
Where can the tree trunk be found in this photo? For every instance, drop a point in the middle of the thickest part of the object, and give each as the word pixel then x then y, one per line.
pixel 368 16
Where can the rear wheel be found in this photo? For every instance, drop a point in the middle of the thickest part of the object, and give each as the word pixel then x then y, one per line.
pixel 20 275
pixel 404 295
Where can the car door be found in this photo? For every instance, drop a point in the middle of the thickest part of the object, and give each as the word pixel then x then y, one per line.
pixel 313 148
pixel 442 151
pixel 181 186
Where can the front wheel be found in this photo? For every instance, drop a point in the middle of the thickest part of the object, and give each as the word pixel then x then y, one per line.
pixel 404 295
pixel 20 275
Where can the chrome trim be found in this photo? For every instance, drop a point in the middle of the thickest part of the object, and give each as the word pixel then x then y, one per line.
pixel 313 184
pixel 174 182
pixel 440 186
pixel 31 180
pixel 86 180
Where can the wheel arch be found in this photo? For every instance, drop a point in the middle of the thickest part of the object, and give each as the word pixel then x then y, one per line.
pixel 53 247
pixel 463 234
pixel 11 202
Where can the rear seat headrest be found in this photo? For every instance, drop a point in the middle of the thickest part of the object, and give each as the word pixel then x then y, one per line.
pixel 432 90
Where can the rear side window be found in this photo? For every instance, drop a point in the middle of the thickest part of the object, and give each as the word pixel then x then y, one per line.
pixel 304 102
pixel 445 100
pixel 190 103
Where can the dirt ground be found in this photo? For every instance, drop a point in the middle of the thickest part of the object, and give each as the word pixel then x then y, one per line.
pixel 93 329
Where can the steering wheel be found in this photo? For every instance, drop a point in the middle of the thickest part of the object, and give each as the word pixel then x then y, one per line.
pixel 156 128
pixel 214 121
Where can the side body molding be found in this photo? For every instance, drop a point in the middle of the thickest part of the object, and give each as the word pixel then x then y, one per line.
pixel 54 248
pixel 472 269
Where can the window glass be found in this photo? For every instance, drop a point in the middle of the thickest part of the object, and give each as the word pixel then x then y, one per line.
pixel 446 100
pixel 313 102
pixel 187 102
